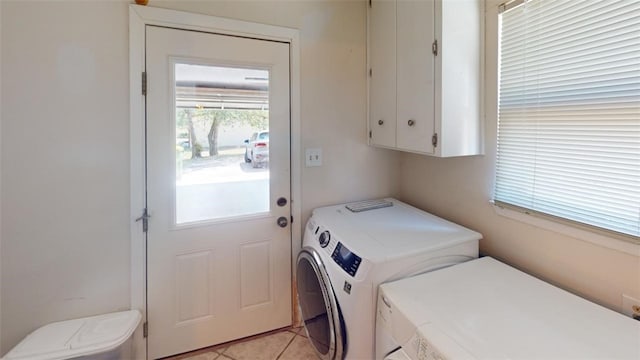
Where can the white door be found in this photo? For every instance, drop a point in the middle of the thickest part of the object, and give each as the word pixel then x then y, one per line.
pixel 218 240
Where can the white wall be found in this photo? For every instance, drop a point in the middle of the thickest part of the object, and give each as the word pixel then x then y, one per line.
pixel 0 178
pixel 65 196
pixel 65 249
pixel 229 136
pixel 460 189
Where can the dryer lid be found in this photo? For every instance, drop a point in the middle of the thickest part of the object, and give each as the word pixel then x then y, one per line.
pixel 494 311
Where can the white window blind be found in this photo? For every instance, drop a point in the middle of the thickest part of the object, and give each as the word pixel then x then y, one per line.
pixel 569 111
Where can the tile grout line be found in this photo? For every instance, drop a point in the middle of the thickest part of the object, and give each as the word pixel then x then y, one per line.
pixel 222 353
pixel 286 347
pixel 221 349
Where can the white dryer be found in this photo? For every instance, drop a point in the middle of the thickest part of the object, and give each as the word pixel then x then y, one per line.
pixel 350 249
pixel 484 309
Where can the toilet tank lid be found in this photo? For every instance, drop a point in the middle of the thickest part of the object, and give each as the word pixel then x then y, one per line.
pixel 77 337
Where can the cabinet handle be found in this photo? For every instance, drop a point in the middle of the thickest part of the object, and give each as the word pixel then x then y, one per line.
pixel 411 122
pixel 380 122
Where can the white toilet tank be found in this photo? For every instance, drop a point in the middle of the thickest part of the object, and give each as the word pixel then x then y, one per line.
pixel 102 337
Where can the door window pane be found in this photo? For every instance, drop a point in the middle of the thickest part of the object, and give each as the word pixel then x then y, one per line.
pixel 222 142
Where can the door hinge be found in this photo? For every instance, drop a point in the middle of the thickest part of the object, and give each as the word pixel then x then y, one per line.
pixel 145 329
pixel 292 219
pixel 369 134
pixel 434 140
pixel 370 72
pixel 144 83
pixel 145 220
pixel 370 3
pixel 434 47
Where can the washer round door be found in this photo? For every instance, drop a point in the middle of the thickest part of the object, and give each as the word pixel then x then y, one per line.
pixel 319 307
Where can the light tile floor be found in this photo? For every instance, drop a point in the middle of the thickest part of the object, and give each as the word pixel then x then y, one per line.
pixel 286 344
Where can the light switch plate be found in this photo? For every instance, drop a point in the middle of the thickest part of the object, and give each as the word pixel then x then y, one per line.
pixel 313 157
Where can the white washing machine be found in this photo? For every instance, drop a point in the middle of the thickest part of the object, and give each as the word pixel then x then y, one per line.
pixel 349 250
pixel 484 309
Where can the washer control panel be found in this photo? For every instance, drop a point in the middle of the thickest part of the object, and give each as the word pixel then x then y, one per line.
pixel 347 260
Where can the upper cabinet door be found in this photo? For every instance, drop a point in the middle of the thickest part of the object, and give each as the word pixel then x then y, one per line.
pixel 415 75
pixel 459 76
pixel 382 76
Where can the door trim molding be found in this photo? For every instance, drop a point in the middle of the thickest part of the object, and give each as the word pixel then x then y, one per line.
pixel 139 17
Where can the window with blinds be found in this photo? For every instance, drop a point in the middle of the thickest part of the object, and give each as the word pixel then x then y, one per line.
pixel 569 111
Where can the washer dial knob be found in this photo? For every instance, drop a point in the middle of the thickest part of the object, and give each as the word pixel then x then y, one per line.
pixel 324 238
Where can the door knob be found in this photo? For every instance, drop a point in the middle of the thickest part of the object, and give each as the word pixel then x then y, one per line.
pixel 281 201
pixel 411 122
pixel 282 221
pixel 380 122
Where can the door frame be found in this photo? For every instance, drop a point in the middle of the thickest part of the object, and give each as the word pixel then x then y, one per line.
pixel 139 18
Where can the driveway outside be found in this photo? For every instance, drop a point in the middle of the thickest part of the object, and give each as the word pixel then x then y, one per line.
pixel 220 187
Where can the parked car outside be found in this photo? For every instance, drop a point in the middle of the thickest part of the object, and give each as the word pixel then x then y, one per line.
pixel 185 145
pixel 257 149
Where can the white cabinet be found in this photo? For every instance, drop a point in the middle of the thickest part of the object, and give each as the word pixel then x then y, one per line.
pixel 425 75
